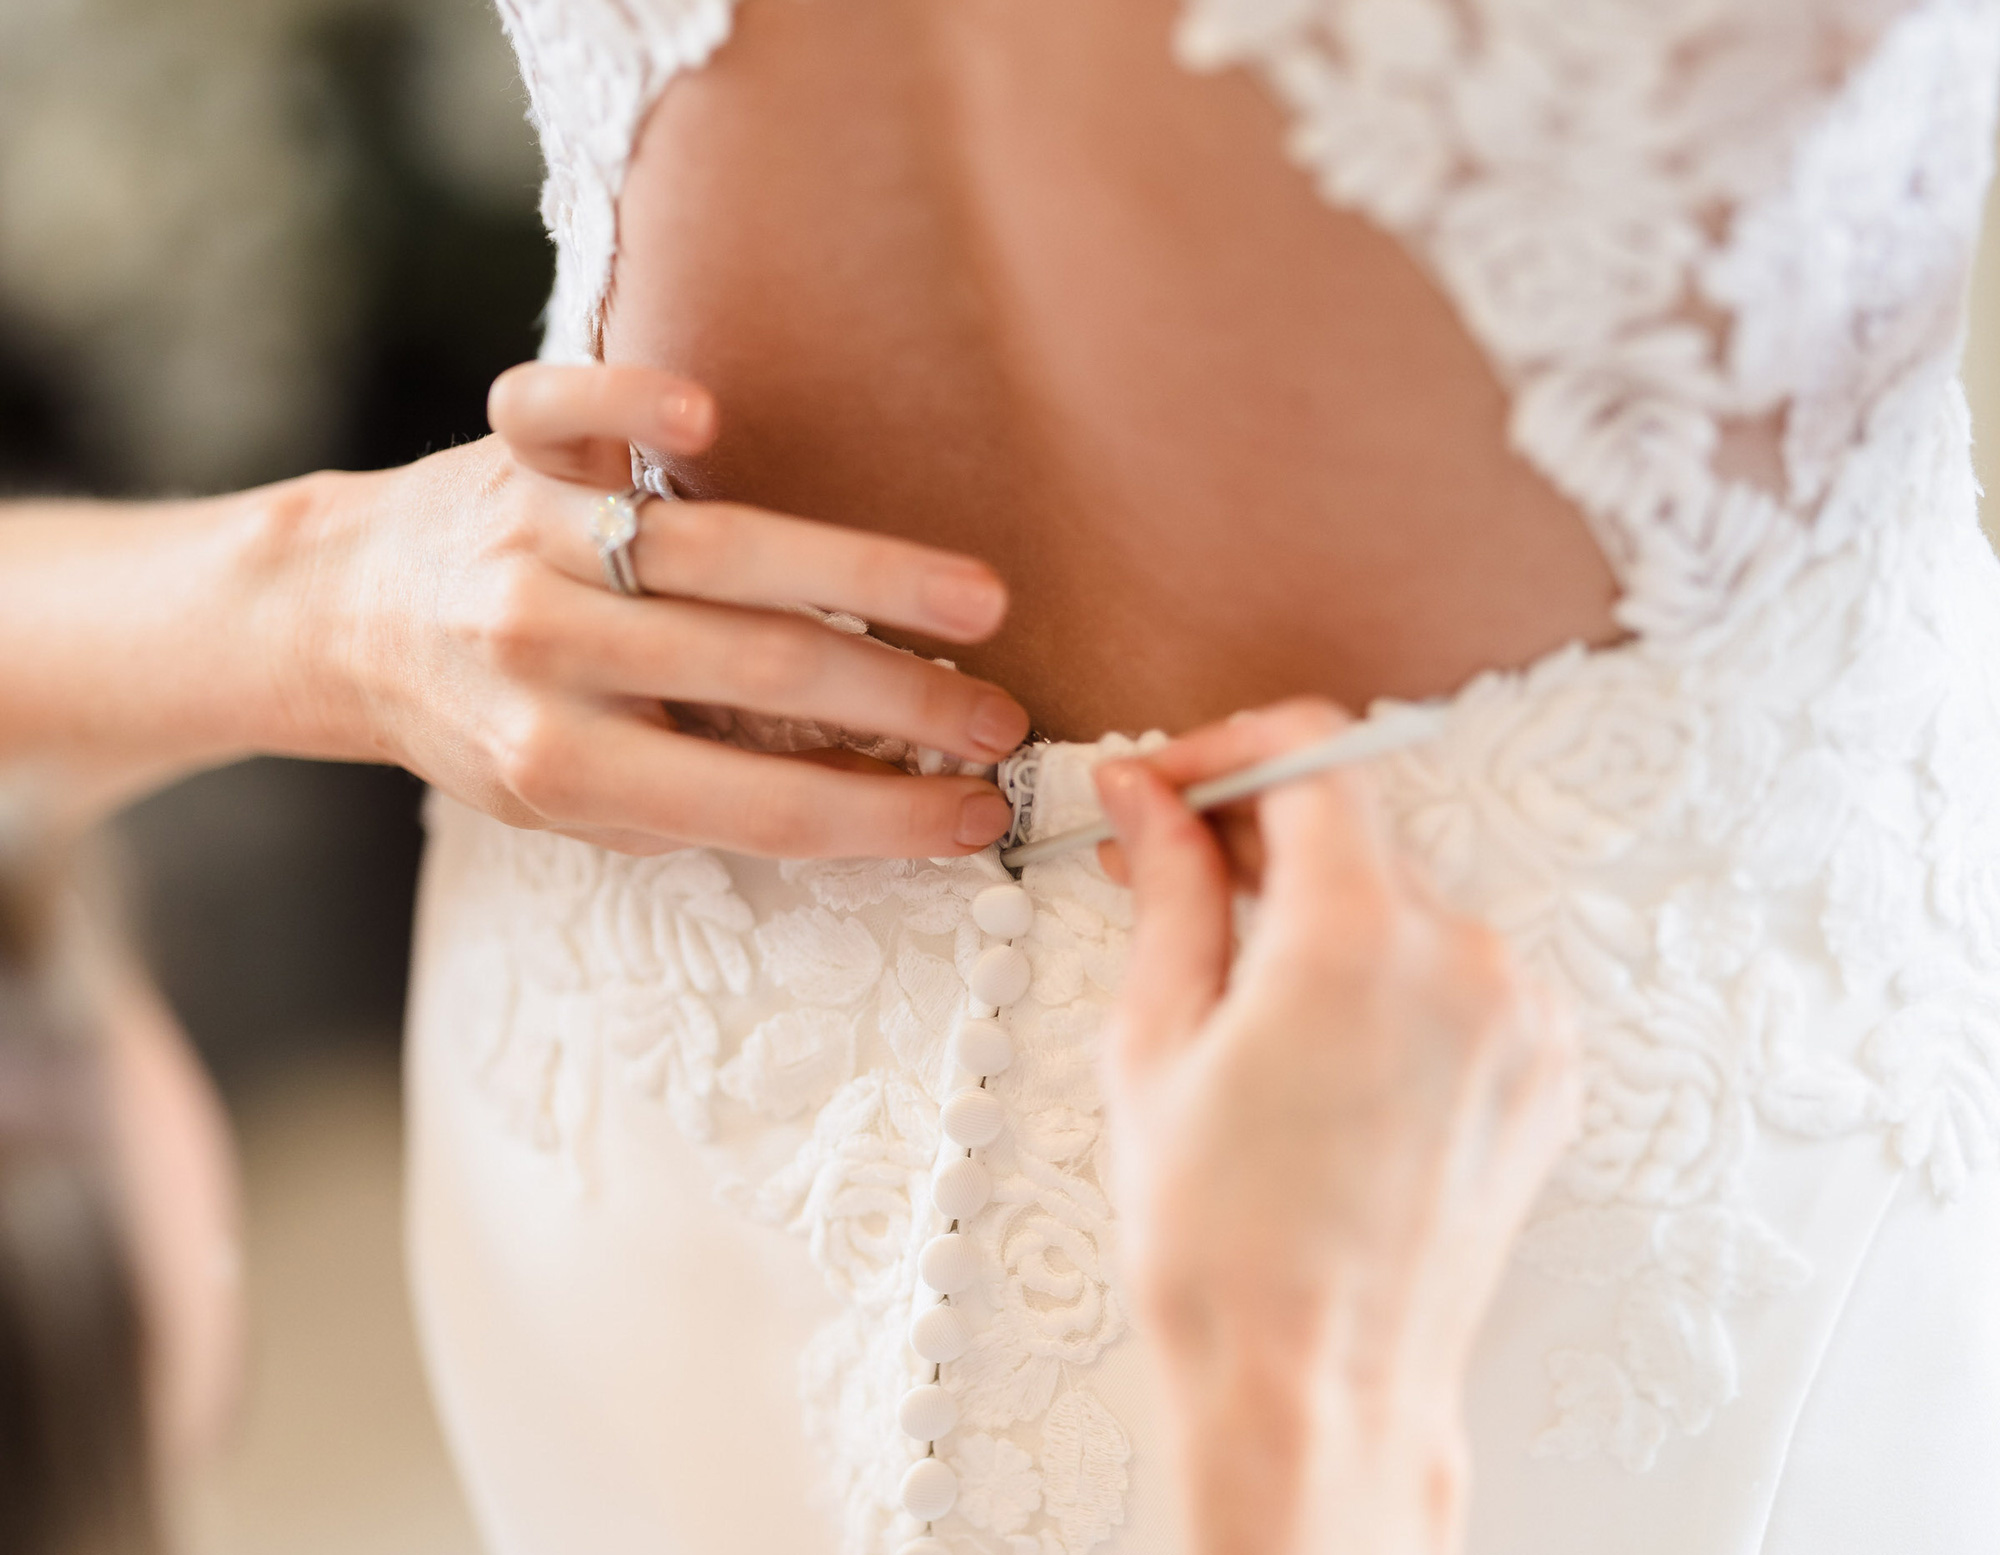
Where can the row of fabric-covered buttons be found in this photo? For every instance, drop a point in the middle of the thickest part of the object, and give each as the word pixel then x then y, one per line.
pixel 972 1118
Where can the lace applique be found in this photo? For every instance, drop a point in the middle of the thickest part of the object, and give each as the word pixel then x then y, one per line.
pixel 1673 226
pixel 1019 778
pixel 1045 805
pixel 1808 773
pixel 593 68
pixel 805 1048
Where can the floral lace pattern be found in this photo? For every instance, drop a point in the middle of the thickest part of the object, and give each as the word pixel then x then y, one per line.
pixel 1751 875
pixel 805 1048
pixel 1685 232
pixel 593 68
pixel 1717 253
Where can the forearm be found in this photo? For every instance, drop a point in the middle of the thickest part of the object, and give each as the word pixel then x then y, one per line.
pixel 142 641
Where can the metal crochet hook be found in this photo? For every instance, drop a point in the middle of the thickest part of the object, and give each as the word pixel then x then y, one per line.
pixel 1393 731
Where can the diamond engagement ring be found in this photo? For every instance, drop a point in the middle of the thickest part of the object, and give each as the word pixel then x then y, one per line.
pixel 614 525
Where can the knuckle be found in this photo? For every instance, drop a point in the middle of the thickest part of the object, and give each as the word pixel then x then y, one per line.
pixel 514 626
pixel 1308 717
pixel 779 830
pixel 925 818
pixel 939 698
pixel 508 808
pixel 775 661
pixel 699 540
pixel 515 518
pixel 506 400
pixel 875 556
pixel 535 765
pixel 1356 918
pixel 883 570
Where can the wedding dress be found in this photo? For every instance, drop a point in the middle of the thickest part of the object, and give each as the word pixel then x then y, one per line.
pixel 680 1125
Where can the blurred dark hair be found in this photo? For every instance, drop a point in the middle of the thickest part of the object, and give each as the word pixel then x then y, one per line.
pixel 75 1476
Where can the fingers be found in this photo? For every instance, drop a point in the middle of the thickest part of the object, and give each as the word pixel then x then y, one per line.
pixel 745 556
pixel 649 845
pixel 1326 844
pixel 1180 887
pixel 1230 746
pixel 1326 847
pixel 618 776
pixel 577 424
pixel 691 651
pixel 1246 739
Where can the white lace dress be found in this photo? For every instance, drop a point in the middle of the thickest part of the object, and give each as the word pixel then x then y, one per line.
pixel 679 1124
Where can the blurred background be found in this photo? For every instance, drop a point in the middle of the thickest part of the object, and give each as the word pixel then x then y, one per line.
pixel 240 239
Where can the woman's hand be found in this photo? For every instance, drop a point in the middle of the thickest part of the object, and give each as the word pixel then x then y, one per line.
pixel 487 655
pixel 1324 1143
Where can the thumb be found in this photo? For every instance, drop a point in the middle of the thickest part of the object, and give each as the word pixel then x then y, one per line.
pixel 1180 890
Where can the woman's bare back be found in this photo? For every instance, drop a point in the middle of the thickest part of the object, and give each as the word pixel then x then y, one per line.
pixel 1001 276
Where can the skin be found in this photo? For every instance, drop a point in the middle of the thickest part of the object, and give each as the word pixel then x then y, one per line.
pixel 451 617
pixel 1001 276
pixel 1326 1143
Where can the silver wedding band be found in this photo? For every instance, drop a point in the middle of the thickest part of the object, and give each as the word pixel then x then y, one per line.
pixel 614 527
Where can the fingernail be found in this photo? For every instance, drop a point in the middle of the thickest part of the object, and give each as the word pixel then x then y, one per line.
pixel 1118 792
pixel 964 601
pixel 689 416
pixel 983 818
pixel 998 724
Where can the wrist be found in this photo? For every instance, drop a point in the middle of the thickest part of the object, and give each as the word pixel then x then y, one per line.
pixel 298 556
pixel 1386 1468
pixel 1289 1443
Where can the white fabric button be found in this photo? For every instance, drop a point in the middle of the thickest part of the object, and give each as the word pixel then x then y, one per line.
pixel 925 1547
pixel 948 1263
pixel 962 1189
pixel 929 1490
pixel 1004 911
pixel 1000 975
pixel 927 1412
pixel 973 1118
pixel 939 1334
pixel 982 1046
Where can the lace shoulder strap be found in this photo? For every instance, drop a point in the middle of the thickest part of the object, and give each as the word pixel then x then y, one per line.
pixel 593 68
pixel 1716 249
